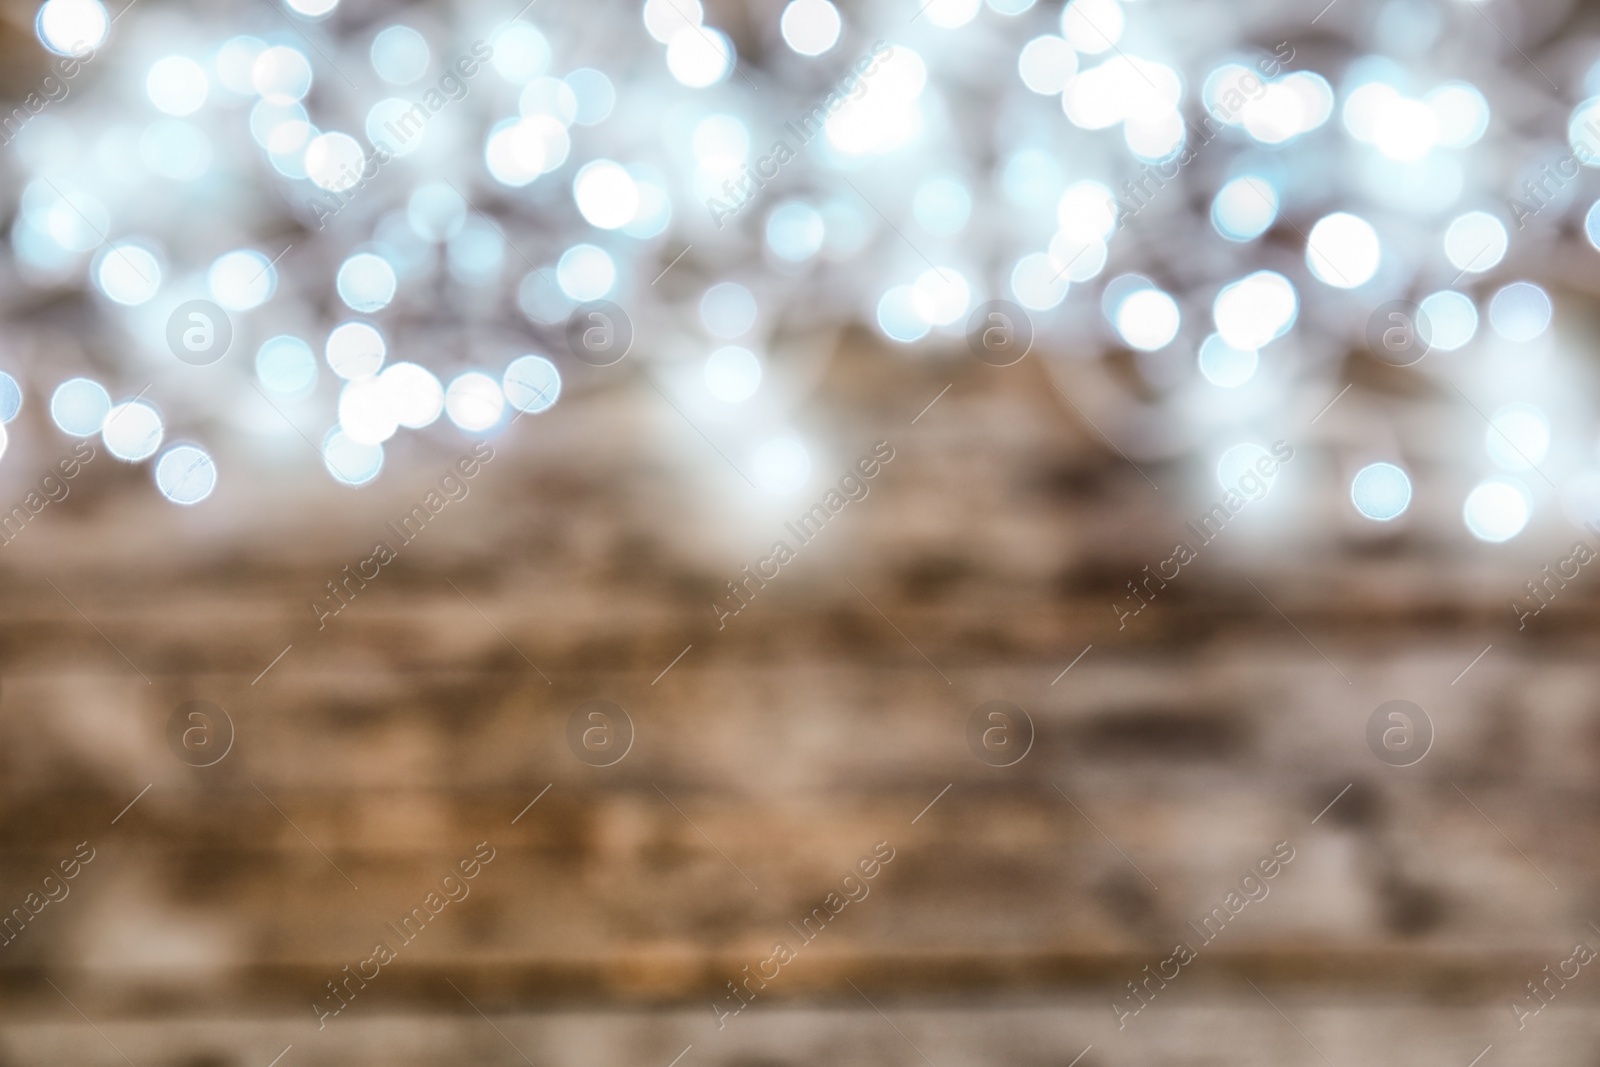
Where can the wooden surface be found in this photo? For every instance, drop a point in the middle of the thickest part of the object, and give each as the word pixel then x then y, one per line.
pixel 777 751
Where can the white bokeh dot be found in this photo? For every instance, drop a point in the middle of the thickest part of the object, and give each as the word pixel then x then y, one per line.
pixel 132 431
pixel 732 374
pixel 186 474
pixel 1381 491
pixel 728 310
pixel 242 280
pixel 413 393
pixel 810 27
pixel 532 384
pixel 1474 242
pixel 69 27
pixel 1343 250
pixel 781 465
pixel 1148 319
pixel 127 273
pixel 474 401
pixel 1520 312
pixel 1496 510
pixel 79 406
pixel 606 194
pixel 699 56
pixel 400 55
pixel 355 350
pixel 366 282
pixel 177 85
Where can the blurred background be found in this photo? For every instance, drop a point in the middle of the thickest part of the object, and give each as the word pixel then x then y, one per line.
pixel 1077 557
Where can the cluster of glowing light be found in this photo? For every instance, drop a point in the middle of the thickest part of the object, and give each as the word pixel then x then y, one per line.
pixel 1255 310
pixel 71 218
pixel 1591 224
pixel 1124 88
pixel 350 461
pixel 1272 111
pixel 127 273
pixel 1518 437
pixel 1446 320
pixel 795 231
pixel 606 194
pixel 1497 510
pixel 366 282
pixel 436 212
pixel 594 94
pixel 185 474
pixel 234 63
pixel 728 310
pixel 549 96
pixel 400 55
pixel 1404 129
pixel 287 141
pixel 282 75
pixel 1381 491
pixel 732 374
pixel 1147 319
pixel 942 205
pixel 532 384
pixel 286 365
pixel 1224 365
pixel 474 401
pixel 413 395
pixel 1475 242
pixel 518 150
pixel 68 27
pixel 242 280
pixel 177 85
pixel 521 52
pixel 281 127
pixel 132 431
pixel 655 205
pixel 781 465
pixel 1244 208
pixel 355 350
pixel 1343 251
pixel 885 113
pixel 1046 64
pixel 1092 26
pixel 810 27
pixel 1364 105
pixel 1086 217
pixel 79 406
pixel 1520 312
